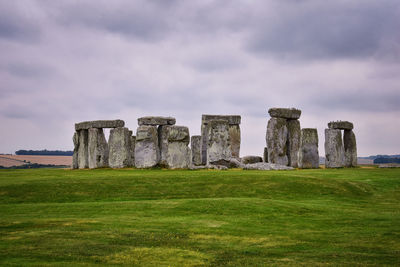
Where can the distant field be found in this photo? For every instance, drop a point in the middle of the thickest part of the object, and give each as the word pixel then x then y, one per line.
pixel 336 217
pixel 17 160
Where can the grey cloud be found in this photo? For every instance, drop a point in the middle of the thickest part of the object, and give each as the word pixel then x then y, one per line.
pixel 309 30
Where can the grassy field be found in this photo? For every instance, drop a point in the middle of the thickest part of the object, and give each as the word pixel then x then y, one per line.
pixel 199 218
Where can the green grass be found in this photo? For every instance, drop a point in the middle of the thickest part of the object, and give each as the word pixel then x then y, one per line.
pixel 199 218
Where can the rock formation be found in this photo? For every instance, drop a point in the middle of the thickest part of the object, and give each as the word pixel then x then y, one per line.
pixel 218 141
pixel 308 153
pixel 75 139
pixel 334 151
pixel 195 145
pixel 83 151
pixel 120 148
pixel 276 138
pixel 175 152
pixel 340 153
pixel 251 159
pixel 98 148
pixel 350 148
pixel 147 151
pixel 283 136
pixel 233 131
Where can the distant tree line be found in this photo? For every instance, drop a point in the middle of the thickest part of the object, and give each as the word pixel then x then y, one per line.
pixel 386 160
pixel 35 166
pixel 44 152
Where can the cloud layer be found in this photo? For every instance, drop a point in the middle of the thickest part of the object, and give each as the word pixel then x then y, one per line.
pixel 69 61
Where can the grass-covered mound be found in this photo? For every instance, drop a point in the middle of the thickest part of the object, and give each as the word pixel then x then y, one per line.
pixel 199 218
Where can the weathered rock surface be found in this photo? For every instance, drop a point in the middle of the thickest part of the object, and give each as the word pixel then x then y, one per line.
pixel 234 133
pixel 251 159
pixel 147 151
pixel 276 138
pixel 286 113
pixel 154 121
pixel 132 149
pixel 120 148
pixel 350 148
pixel 195 145
pixel 232 163
pixel 308 153
pixel 266 166
pixel 75 139
pixel 342 125
pixel 98 148
pixel 265 156
pixel 175 152
pixel 293 142
pixel 334 150
pixel 83 151
pixel 232 119
pixel 218 143
pixel 99 124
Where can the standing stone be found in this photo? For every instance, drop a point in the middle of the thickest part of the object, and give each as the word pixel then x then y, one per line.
pixel 334 151
pixel 276 138
pixel 265 156
pixel 234 135
pixel 175 152
pixel 350 148
pixel 195 145
pixel 119 148
pixel 293 142
pixel 98 148
pixel 83 159
pixel 132 150
pixel 218 143
pixel 75 139
pixel 308 153
pixel 147 151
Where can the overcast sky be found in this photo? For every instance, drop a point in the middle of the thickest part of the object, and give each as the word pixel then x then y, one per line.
pixel 63 62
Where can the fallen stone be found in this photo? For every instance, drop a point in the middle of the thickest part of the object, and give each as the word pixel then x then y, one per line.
pixel 251 159
pixel 175 153
pixel 99 124
pixel 334 150
pixel 232 163
pixel 83 159
pixel 75 139
pixel 98 148
pixel 308 153
pixel 147 151
pixel 195 145
pixel 119 148
pixel 285 113
pixel 293 142
pixel 218 143
pixel 265 156
pixel 350 149
pixel 154 121
pixel 342 125
pixel 276 138
pixel 266 166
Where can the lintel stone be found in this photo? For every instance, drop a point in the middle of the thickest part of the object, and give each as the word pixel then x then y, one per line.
pixel 341 125
pixel 285 113
pixel 99 124
pixel 154 121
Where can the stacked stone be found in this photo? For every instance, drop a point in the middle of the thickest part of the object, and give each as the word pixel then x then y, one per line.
pixel 160 142
pixel 90 145
pixel 283 136
pixel 308 153
pixel 340 152
pixel 228 127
